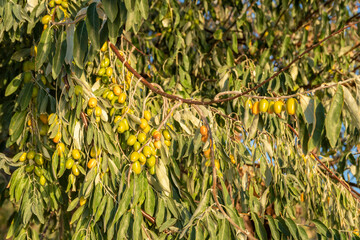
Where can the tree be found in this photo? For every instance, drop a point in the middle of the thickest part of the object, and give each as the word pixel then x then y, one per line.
pixel 180 119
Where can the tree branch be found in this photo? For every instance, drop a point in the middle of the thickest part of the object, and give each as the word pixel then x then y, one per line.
pixel 196 102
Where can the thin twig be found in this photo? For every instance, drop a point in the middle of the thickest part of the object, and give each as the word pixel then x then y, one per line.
pixel 214 188
pixel 347 187
pixel 287 96
pixel 196 102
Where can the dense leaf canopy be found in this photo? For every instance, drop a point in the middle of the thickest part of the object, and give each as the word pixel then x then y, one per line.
pixel 180 119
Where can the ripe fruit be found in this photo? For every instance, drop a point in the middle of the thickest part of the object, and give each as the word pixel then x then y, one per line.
pixel 101 72
pixel 156 135
pixel 291 106
pixel 69 163
pixel 147 151
pixel 91 163
pixel 58 2
pixel 98 111
pixel 142 158
pixel 82 201
pixel 75 170
pixel 52 4
pixel 233 161
pixel 109 71
pixel 30 155
pixel 203 130
pixel 248 104
pixel 92 102
pixel 271 107
pixel 121 128
pixel 255 108
pixel 57 137
pixel 76 154
pixel 39 159
pixel 217 164
pixel 147 115
pixel 147 129
pixel 93 153
pixel 207 153
pixel 97 119
pixel 42 180
pixel 143 123
pixel 125 121
pixel 110 96
pixel 136 167
pixel 204 138
pixel 167 135
pixel 167 143
pixel 263 105
pixel 157 144
pixel 278 105
pixel 43 118
pixel 104 47
pixel 117 90
pixel 60 148
pixel 141 138
pixel 137 146
pixel 134 156
pixel 131 140
pixel 152 170
pixel 150 162
pixel 45 19
pixel 22 157
pixel 78 90
pixel 122 98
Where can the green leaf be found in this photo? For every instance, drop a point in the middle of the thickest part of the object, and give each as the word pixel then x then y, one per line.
pixel 60 54
pixel 259 227
pixel 274 232
pixel 13 85
pixel 170 222
pixel 303 234
pixel 199 210
pixel 80 44
pixel 218 34
pixel 292 227
pixel 123 204
pixel 321 228
pixel 317 127
pixel 144 8
pixel 25 96
pixel 137 223
pixel 124 225
pixel 73 204
pixel 21 55
pixel 100 208
pixel 224 232
pixel 111 9
pixel 44 47
pixel 332 120
pixel 93 25
pixel 77 214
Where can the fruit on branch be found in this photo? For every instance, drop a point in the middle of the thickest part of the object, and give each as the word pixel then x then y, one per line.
pixel 91 163
pixel 255 108
pixel 278 106
pixel 92 102
pixel 271 107
pixel 263 105
pixel 203 130
pixel 76 154
pixel 291 106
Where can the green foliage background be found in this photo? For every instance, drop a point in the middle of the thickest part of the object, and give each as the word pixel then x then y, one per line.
pixel 195 50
